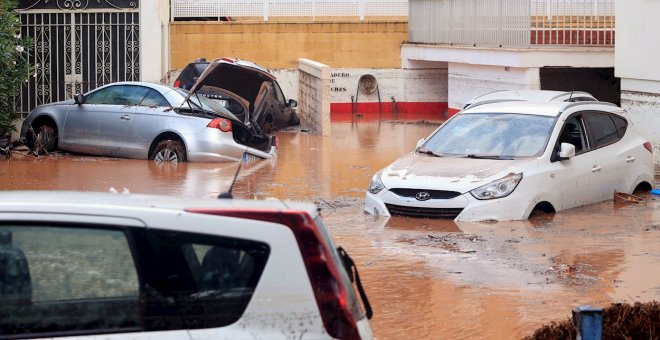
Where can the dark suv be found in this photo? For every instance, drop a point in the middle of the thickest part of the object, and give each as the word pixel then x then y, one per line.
pixel 248 90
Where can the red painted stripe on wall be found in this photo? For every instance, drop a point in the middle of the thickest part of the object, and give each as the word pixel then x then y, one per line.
pixel 342 112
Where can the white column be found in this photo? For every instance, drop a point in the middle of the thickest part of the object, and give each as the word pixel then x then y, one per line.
pixel 154 39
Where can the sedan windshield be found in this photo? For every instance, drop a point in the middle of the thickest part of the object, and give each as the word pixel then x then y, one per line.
pixel 490 135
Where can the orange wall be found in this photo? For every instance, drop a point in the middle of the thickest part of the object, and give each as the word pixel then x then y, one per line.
pixel 280 44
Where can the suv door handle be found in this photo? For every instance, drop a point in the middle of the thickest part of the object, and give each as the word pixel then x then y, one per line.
pixel 596 168
pixel 630 159
pixel 125 117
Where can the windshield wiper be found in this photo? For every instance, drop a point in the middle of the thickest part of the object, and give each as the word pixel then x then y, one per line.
pixel 428 152
pixel 489 157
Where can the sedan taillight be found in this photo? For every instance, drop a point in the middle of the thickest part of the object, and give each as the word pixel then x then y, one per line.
pixel 649 146
pixel 221 124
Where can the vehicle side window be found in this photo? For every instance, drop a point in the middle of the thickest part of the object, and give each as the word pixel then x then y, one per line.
pixel 621 125
pixel 66 280
pixel 279 94
pixel 154 98
pixel 207 281
pixel 98 96
pixel 601 129
pixel 118 95
pixel 572 133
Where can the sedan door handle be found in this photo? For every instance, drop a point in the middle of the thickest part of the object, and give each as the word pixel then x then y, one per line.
pixel 125 117
pixel 630 159
pixel 596 168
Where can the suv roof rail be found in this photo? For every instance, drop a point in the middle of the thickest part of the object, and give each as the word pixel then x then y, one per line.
pixel 492 101
pixel 572 104
pixel 572 93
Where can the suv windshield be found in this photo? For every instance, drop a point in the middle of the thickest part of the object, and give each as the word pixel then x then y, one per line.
pixel 490 135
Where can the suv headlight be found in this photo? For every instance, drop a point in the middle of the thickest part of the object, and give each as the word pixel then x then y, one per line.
pixel 376 184
pixel 497 189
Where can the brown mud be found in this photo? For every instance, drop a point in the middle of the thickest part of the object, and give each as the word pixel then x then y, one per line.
pixel 426 279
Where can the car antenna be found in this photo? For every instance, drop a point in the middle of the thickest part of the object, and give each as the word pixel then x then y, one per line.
pixel 570 96
pixel 228 194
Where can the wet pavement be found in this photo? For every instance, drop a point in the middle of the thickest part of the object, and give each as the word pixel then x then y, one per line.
pixel 426 279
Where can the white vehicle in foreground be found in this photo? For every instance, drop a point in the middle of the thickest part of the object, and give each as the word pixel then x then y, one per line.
pixel 118 266
pixel 501 161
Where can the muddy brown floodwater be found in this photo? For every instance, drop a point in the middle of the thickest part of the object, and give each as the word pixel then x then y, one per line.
pixel 426 279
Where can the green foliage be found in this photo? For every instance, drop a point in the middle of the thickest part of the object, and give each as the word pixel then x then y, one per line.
pixel 14 67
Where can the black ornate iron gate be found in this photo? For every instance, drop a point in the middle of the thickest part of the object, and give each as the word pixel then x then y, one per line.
pixel 78 45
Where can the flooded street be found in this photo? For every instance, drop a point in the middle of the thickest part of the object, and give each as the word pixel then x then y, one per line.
pixel 425 278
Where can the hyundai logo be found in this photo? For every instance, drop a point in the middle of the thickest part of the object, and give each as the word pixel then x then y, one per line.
pixel 422 196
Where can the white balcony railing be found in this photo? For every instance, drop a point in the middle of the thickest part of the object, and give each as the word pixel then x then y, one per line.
pixel 306 9
pixel 512 23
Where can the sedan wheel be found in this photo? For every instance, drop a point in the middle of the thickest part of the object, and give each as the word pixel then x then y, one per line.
pixel 169 151
pixel 43 139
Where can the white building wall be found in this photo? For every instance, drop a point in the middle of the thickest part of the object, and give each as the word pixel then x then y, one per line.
pixel 425 81
pixel 422 83
pixel 154 40
pixel 474 71
pixel 637 53
pixel 467 81
pixel 344 84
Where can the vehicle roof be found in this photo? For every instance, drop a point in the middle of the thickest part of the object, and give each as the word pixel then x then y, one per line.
pixel 233 61
pixel 241 62
pixel 551 109
pixel 90 202
pixel 158 87
pixel 530 95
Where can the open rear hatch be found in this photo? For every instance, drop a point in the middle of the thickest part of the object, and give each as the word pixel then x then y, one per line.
pixel 238 79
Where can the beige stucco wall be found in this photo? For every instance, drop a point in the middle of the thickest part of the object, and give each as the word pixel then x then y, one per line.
pixel 280 44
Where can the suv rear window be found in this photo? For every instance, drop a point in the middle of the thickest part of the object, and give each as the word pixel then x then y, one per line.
pixel 207 280
pixel 602 128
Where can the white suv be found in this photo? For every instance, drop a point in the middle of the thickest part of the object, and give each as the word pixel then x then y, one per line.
pixel 104 265
pixel 502 161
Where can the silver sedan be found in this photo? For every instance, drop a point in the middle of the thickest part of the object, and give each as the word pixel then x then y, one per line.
pixel 145 121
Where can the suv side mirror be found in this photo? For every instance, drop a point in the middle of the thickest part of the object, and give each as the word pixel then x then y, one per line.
pixel 566 151
pixel 292 103
pixel 79 98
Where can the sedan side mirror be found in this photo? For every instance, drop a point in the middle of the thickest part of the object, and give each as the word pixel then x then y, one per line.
pixel 292 103
pixel 566 151
pixel 79 98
